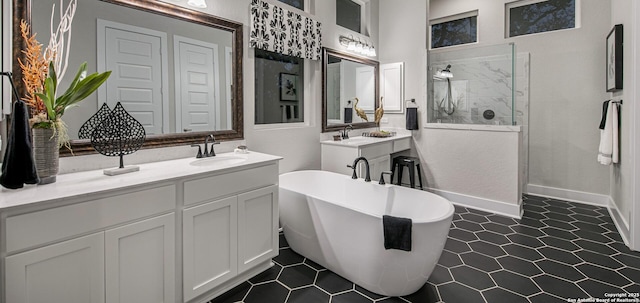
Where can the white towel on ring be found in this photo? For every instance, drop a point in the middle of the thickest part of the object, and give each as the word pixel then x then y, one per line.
pixel 608 151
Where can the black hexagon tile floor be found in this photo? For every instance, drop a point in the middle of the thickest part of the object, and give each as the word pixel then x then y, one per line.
pixel 558 251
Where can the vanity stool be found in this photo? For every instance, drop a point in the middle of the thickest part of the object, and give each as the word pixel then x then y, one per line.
pixel 411 163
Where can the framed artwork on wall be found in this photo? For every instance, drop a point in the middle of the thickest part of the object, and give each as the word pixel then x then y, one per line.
pixel 614 59
pixel 288 87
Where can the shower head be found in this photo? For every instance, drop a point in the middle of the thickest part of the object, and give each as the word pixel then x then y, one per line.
pixel 444 74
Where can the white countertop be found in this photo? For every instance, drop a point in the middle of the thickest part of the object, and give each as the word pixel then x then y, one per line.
pixel 76 184
pixel 363 141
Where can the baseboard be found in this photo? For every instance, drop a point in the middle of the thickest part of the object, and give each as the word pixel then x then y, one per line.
pixel 619 220
pixel 483 204
pixel 568 195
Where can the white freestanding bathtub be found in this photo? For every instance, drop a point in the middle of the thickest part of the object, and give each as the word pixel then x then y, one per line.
pixel 336 222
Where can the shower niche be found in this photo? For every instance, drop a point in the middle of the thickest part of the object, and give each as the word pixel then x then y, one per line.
pixel 476 85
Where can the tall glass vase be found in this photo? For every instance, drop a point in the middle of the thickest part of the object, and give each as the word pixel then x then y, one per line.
pixel 45 154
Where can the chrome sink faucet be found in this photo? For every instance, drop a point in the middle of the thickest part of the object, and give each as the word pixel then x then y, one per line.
pixel 211 153
pixel 367 176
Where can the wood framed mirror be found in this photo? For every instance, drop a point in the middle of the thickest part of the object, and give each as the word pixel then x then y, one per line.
pixel 346 77
pixel 168 119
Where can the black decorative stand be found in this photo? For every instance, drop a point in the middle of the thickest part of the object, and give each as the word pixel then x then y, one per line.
pixel 116 134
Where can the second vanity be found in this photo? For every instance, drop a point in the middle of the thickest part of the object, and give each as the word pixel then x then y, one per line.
pixel 183 230
pixel 336 155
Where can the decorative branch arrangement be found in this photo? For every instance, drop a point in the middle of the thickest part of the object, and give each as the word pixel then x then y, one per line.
pixel 57 49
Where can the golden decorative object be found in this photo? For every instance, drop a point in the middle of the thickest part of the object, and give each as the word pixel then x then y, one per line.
pixel 379 113
pixel 360 111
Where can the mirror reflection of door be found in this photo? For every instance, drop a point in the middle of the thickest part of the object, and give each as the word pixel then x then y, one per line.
pixel 365 87
pixel 196 67
pixel 137 57
pixel 228 55
pixel 334 93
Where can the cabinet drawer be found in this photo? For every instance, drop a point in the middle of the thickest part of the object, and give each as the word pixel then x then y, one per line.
pixel 401 144
pixel 211 188
pixel 377 150
pixel 32 229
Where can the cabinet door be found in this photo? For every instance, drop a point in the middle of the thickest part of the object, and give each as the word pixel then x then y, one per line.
pixel 378 165
pixel 70 272
pixel 257 226
pixel 210 247
pixel 140 261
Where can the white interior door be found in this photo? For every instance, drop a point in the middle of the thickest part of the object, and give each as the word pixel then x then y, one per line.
pixel 392 87
pixel 137 58
pixel 197 85
pixel 365 87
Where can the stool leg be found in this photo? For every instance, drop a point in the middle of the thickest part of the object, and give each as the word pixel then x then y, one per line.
pixel 412 176
pixel 393 170
pixel 400 167
pixel 419 175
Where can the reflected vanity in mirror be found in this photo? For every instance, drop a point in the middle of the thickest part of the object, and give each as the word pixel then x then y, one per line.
pixel 348 82
pixel 176 70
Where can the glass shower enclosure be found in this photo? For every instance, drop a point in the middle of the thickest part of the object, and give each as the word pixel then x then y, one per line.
pixel 472 85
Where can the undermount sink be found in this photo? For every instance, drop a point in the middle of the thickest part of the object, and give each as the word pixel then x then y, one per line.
pixel 221 160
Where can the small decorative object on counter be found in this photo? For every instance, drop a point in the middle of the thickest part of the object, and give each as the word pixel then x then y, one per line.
pixel 379 134
pixel 118 134
pixel 337 138
pixel 241 149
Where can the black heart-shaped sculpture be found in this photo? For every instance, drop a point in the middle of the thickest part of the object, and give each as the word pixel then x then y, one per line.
pixel 118 134
pixel 86 130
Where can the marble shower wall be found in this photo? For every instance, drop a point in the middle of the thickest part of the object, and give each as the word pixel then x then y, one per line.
pixel 481 84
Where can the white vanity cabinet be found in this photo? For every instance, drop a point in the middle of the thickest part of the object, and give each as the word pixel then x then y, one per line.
pixel 70 271
pixel 140 261
pixel 167 234
pixel 210 245
pixel 226 237
pixel 336 155
pixel 129 263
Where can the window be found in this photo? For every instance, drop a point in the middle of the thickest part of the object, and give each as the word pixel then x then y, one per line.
pixel 299 4
pixel 279 88
pixel 349 15
pixel 455 30
pixel 530 17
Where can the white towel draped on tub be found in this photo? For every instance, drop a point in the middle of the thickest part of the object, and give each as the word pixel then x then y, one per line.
pixel 608 151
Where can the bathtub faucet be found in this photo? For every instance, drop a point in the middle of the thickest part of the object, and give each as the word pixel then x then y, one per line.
pixel 367 177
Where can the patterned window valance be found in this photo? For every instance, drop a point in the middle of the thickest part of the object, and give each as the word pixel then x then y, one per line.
pixel 281 31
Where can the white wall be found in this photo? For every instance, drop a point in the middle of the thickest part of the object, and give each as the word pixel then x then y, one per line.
pixel 566 83
pixel 622 12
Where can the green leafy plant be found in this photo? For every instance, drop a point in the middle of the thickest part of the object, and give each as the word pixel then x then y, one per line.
pixel 80 88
